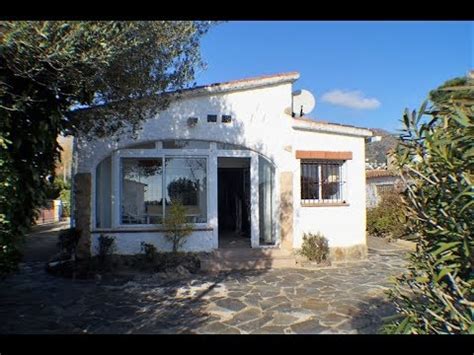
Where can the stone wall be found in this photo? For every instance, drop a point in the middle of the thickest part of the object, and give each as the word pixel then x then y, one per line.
pixel 286 210
pixel 355 252
pixel 82 212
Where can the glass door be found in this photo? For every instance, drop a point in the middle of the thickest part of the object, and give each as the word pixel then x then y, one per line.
pixel 266 174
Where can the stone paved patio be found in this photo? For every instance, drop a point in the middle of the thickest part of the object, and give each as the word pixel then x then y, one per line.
pixel 348 298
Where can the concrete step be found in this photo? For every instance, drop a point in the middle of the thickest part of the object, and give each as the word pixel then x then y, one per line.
pixel 247 259
pixel 235 253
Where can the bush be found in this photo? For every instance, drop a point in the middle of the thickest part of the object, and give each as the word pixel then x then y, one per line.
pixel 105 248
pixel 149 251
pixel 9 258
pixel 387 220
pixel 436 294
pixel 176 225
pixel 315 247
pixel 67 242
pixel 65 198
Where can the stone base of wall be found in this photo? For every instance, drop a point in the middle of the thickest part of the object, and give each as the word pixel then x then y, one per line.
pixel 82 213
pixel 355 252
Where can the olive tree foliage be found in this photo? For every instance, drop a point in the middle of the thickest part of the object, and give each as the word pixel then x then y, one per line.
pixel 93 78
pixel 436 155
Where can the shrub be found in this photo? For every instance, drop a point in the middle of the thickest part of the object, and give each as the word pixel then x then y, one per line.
pixel 436 294
pixel 105 248
pixel 10 256
pixel 315 247
pixel 388 218
pixel 65 197
pixel 149 251
pixel 67 242
pixel 176 225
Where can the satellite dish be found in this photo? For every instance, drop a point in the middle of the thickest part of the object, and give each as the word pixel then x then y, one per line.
pixel 303 103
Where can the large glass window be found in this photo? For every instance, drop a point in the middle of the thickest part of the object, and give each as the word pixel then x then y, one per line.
pixel 148 187
pixel 321 181
pixel 142 195
pixel 186 183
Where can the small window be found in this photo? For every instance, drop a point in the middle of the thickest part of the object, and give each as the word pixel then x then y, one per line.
pixel 212 118
pixel 226 118
pixel 185 144
pixel 149 145
pixel 228 146
pixel 321 182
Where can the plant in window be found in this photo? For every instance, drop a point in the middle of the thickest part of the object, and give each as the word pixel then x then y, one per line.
pixel 177 229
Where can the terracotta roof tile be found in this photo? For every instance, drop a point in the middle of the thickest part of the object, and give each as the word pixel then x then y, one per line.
pixel 379 173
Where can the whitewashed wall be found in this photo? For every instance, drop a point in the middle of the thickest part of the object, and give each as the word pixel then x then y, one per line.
pixel 343 225
pixel 259 123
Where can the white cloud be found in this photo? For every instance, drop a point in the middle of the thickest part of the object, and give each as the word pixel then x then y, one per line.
pixel 351 99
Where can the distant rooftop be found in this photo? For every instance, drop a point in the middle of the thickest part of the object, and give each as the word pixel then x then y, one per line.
pixel 379 173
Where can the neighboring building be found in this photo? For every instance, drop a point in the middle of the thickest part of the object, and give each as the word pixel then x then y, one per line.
pixel 63 168
pixel 378 181
pixel 241 164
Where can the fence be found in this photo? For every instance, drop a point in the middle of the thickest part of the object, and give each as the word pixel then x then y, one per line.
pixel 51 213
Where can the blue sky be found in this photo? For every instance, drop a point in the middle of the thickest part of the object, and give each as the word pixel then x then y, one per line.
pixel 362 73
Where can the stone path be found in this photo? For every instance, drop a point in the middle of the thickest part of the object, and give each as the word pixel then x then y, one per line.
pixel 41 243
pixel 347 298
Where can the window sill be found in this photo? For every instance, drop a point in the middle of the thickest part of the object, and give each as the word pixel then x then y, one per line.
pixel 325 204
pixel 146 230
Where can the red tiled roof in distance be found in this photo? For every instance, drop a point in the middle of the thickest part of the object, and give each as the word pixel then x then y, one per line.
pixel 379 173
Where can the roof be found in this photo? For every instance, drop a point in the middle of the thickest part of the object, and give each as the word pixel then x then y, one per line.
pixel 241 84
pixel 379 173
pixel 306 123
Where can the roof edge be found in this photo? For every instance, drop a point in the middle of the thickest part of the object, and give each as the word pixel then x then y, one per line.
pixel 326 127
pixel 240 84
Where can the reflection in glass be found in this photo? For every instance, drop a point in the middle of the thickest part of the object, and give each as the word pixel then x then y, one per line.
pixel 186 182
pixel 331 177
pixel 142 195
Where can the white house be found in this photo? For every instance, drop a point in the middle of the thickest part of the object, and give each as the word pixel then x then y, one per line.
pixel 249 172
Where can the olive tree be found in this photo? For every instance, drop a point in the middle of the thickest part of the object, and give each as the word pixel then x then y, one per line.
pixel 51 71
pixel 436 155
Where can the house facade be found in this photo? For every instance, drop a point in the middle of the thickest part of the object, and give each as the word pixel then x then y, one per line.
pixel 249 172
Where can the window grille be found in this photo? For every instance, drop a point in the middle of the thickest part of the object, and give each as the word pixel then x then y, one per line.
pixel 322 181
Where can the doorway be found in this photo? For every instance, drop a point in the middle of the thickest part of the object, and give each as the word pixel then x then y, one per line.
pixel 233 202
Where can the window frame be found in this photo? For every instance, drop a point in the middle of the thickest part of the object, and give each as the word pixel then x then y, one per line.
pixel 157 153
pixel 342 183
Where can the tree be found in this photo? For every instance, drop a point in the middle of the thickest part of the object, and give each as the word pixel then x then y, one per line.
pixel 175 224
pixel 437 158
pixel 457 91
pixel 50 71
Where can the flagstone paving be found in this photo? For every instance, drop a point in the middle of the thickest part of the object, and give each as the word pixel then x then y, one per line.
pixel 347 298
